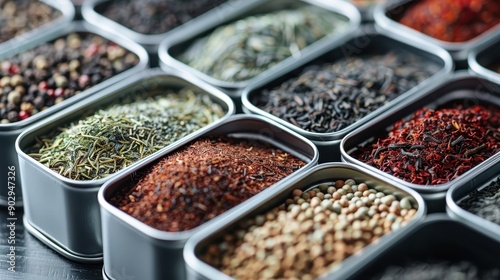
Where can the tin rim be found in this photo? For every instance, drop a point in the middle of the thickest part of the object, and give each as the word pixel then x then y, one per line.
pixel 459 214
pixel 117 87
pixel 427 221
pixel 210 272
pixel 58 247
pixel 435 51
pixel 478 68
pixel 424 189
pixel 153 40
pixel 388 24
pixel 81 26
pixel 343 8
pixel 68 13
pixel 181 237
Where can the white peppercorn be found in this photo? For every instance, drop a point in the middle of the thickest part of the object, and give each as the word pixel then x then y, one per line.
pixel 310 238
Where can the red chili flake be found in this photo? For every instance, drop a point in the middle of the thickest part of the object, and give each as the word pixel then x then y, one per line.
pixel 203 180
pixel 43 85
pixel 436 146
pixel 451 20
pixel 23 115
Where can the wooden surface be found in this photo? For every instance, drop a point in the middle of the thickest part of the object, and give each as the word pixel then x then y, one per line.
pixel 36 261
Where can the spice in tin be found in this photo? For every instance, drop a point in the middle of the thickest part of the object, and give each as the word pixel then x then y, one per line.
pixel 450 20
pixel 20 16
pixel 436 146
pixel 437 269
pixel 485 202
pixel 118 135
pixel 203 180
pixel 154 16
pixel 330 97
pixel 243 49
pixel 37 79
pixel 311 233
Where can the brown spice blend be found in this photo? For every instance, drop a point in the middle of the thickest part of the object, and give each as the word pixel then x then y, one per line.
pixel 203 180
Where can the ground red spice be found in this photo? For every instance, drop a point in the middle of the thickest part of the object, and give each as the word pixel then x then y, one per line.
pixel 203 180
pixel 452 20
pixel 436 146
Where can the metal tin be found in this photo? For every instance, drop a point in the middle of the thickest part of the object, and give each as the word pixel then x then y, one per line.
pixel 9 132
pixel 483 56
pixel 152 41
pixel 473 182
pixel 437 236
pixel 460 86
pixel 170 48
pixel 67 13
pixel 366 9
pixel 78 8
pixel 148 249
pixel 366 40
pixel 459 51
pixel 64 211
pixel 199 270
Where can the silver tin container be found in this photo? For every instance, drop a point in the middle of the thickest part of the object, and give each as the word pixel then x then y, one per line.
pixel 199 270
pixel 436 237
pixel 484 56
pixel 9 132
pixel 152 41
pixel 366 9
pixel 64 213
pixel 67 14
pixel 461 86
pixel 155 254
pixel 367 40
pixel 473 182
pixel 172 47
pixel 458 50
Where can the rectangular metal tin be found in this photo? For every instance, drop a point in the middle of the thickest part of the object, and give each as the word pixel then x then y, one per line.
pixel 67 14
pixel 366 10
pixel 436 236
pixel 152 41
pixel 459 86
pixel 148 250
pixel 199 270
pixel 366 39
pixel 9 132
pixel 65 211
pixel 482 56
pixel 473 182
pixel 459 51
pixel 171 47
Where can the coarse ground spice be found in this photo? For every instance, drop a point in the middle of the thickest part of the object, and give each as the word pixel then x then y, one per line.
pixel 37 79
pixel 247 47
pixel 118 135
pixel 437 269
pixel 451 20
pixel 203 180
pixel 155 16
pixel 309 234
pixel 484 203
pixel 436 146
pixel 20 16
pixel 330 97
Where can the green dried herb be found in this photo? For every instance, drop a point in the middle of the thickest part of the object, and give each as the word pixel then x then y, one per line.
pixel 119 135
pixel 241 50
